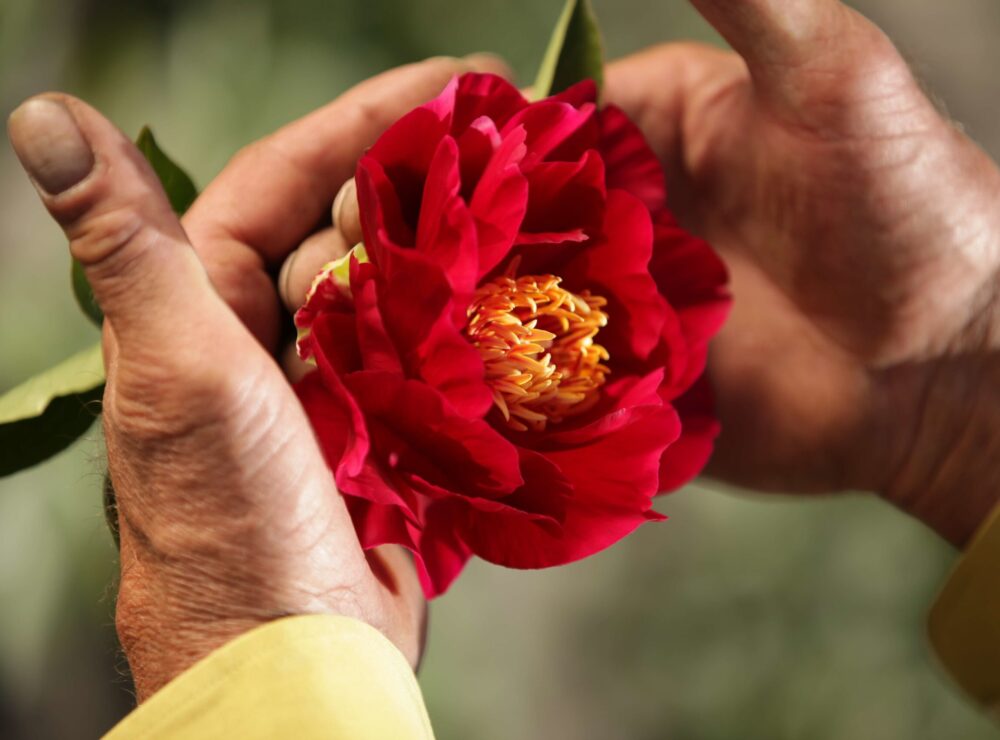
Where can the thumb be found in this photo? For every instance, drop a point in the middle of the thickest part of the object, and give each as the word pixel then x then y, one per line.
pixel 793 48
pixel 120 226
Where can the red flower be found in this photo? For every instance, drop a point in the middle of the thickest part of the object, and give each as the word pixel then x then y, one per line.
pixel 515 372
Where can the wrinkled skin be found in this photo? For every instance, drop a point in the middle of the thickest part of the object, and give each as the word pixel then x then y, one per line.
pixel 862 236
pixel 858 225
pixel 228 515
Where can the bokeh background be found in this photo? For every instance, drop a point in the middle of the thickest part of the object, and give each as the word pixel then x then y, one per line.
pixel 743 617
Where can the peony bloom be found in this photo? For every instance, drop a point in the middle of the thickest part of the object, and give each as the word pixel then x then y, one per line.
pixel 512 364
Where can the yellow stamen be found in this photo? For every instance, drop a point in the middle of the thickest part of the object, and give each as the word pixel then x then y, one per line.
pixel 537 340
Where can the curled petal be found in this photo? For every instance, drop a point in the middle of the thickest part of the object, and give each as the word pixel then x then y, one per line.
pixel 446 232
pixel 548 125
pixel 616 266
pixel 693 279
pixel 565 200
pixel 416 432
pixel 632 165
pixel 607 487
pixel 500 200
pixel 343 437
pixel 687 457
pixel 375 347
pixel 577 95
pixel 485 95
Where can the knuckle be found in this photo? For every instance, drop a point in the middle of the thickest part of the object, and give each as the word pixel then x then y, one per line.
pixel 97 238
pixel 247 154
pixel 366 115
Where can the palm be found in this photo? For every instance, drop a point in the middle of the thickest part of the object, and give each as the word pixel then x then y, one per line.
pixel 839 247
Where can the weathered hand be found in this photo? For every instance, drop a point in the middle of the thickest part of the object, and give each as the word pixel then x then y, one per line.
pixel 863 236
pixel 228 514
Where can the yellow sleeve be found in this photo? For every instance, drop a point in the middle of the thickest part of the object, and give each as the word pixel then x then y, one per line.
pixel 302 677
pixel 965 621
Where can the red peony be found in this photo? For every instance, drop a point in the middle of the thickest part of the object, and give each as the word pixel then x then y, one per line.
pixel 513 365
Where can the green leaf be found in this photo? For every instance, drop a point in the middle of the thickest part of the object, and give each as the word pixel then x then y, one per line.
pixel 47 413
pixel 85 296
pixel 575 52
pixel 181 193
pixel 178 185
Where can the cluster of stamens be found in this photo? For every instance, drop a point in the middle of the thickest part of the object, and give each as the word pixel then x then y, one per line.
pixel 537 341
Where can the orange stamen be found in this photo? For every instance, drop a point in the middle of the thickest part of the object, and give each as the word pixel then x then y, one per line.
pixel 537 341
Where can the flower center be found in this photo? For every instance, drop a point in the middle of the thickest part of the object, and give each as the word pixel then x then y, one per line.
pixel 537 341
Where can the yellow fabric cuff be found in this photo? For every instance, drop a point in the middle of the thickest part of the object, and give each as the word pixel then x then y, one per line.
pixel 964 623
pixel 302 677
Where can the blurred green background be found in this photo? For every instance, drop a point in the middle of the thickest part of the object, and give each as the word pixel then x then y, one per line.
pixel 740 618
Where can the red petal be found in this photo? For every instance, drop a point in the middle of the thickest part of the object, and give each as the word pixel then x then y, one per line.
pixel 382 220
pixel 693 279
pixel 548 124
pixel 416 432
pixel 607 486
pixel 691 276
pixel 485 95
pixel 579 94
pixel 440 555
pixel 619 399
pixel 419 311
pixel 631 164
pixel 405 152
pixel 375 347
pixel 335 336
pixel 500 200
pixel 380 524
pixel 687 457
pixel 343 436
pixel 443 542
pixel 325 298
pixel 616 266
pixel 476 147
pixel 565 198
pixel 446 232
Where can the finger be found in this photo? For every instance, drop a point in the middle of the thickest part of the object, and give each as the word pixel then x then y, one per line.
pixel 347 214
pixel 121 228
pixel 793 47
pixel 666 90
pixel 302 265
pixel 275 191
pixel 294 367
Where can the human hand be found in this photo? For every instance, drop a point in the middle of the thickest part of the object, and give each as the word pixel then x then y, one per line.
pixel 862 232
pixel 228 514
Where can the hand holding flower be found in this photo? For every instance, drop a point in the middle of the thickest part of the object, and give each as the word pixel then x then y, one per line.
pixel 228 514
pixel 862 233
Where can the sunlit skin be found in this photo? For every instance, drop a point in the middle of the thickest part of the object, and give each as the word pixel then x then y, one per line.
pixel 228 514
pixel 859 225
pixel 863 236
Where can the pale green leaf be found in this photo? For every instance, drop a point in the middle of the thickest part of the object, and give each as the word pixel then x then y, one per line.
pixel 177 184
pixel 575 51
pixel 47 413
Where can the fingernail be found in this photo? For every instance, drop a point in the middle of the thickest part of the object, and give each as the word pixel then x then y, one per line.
pixel 347 190
pixel 284 276
pixel 49 144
